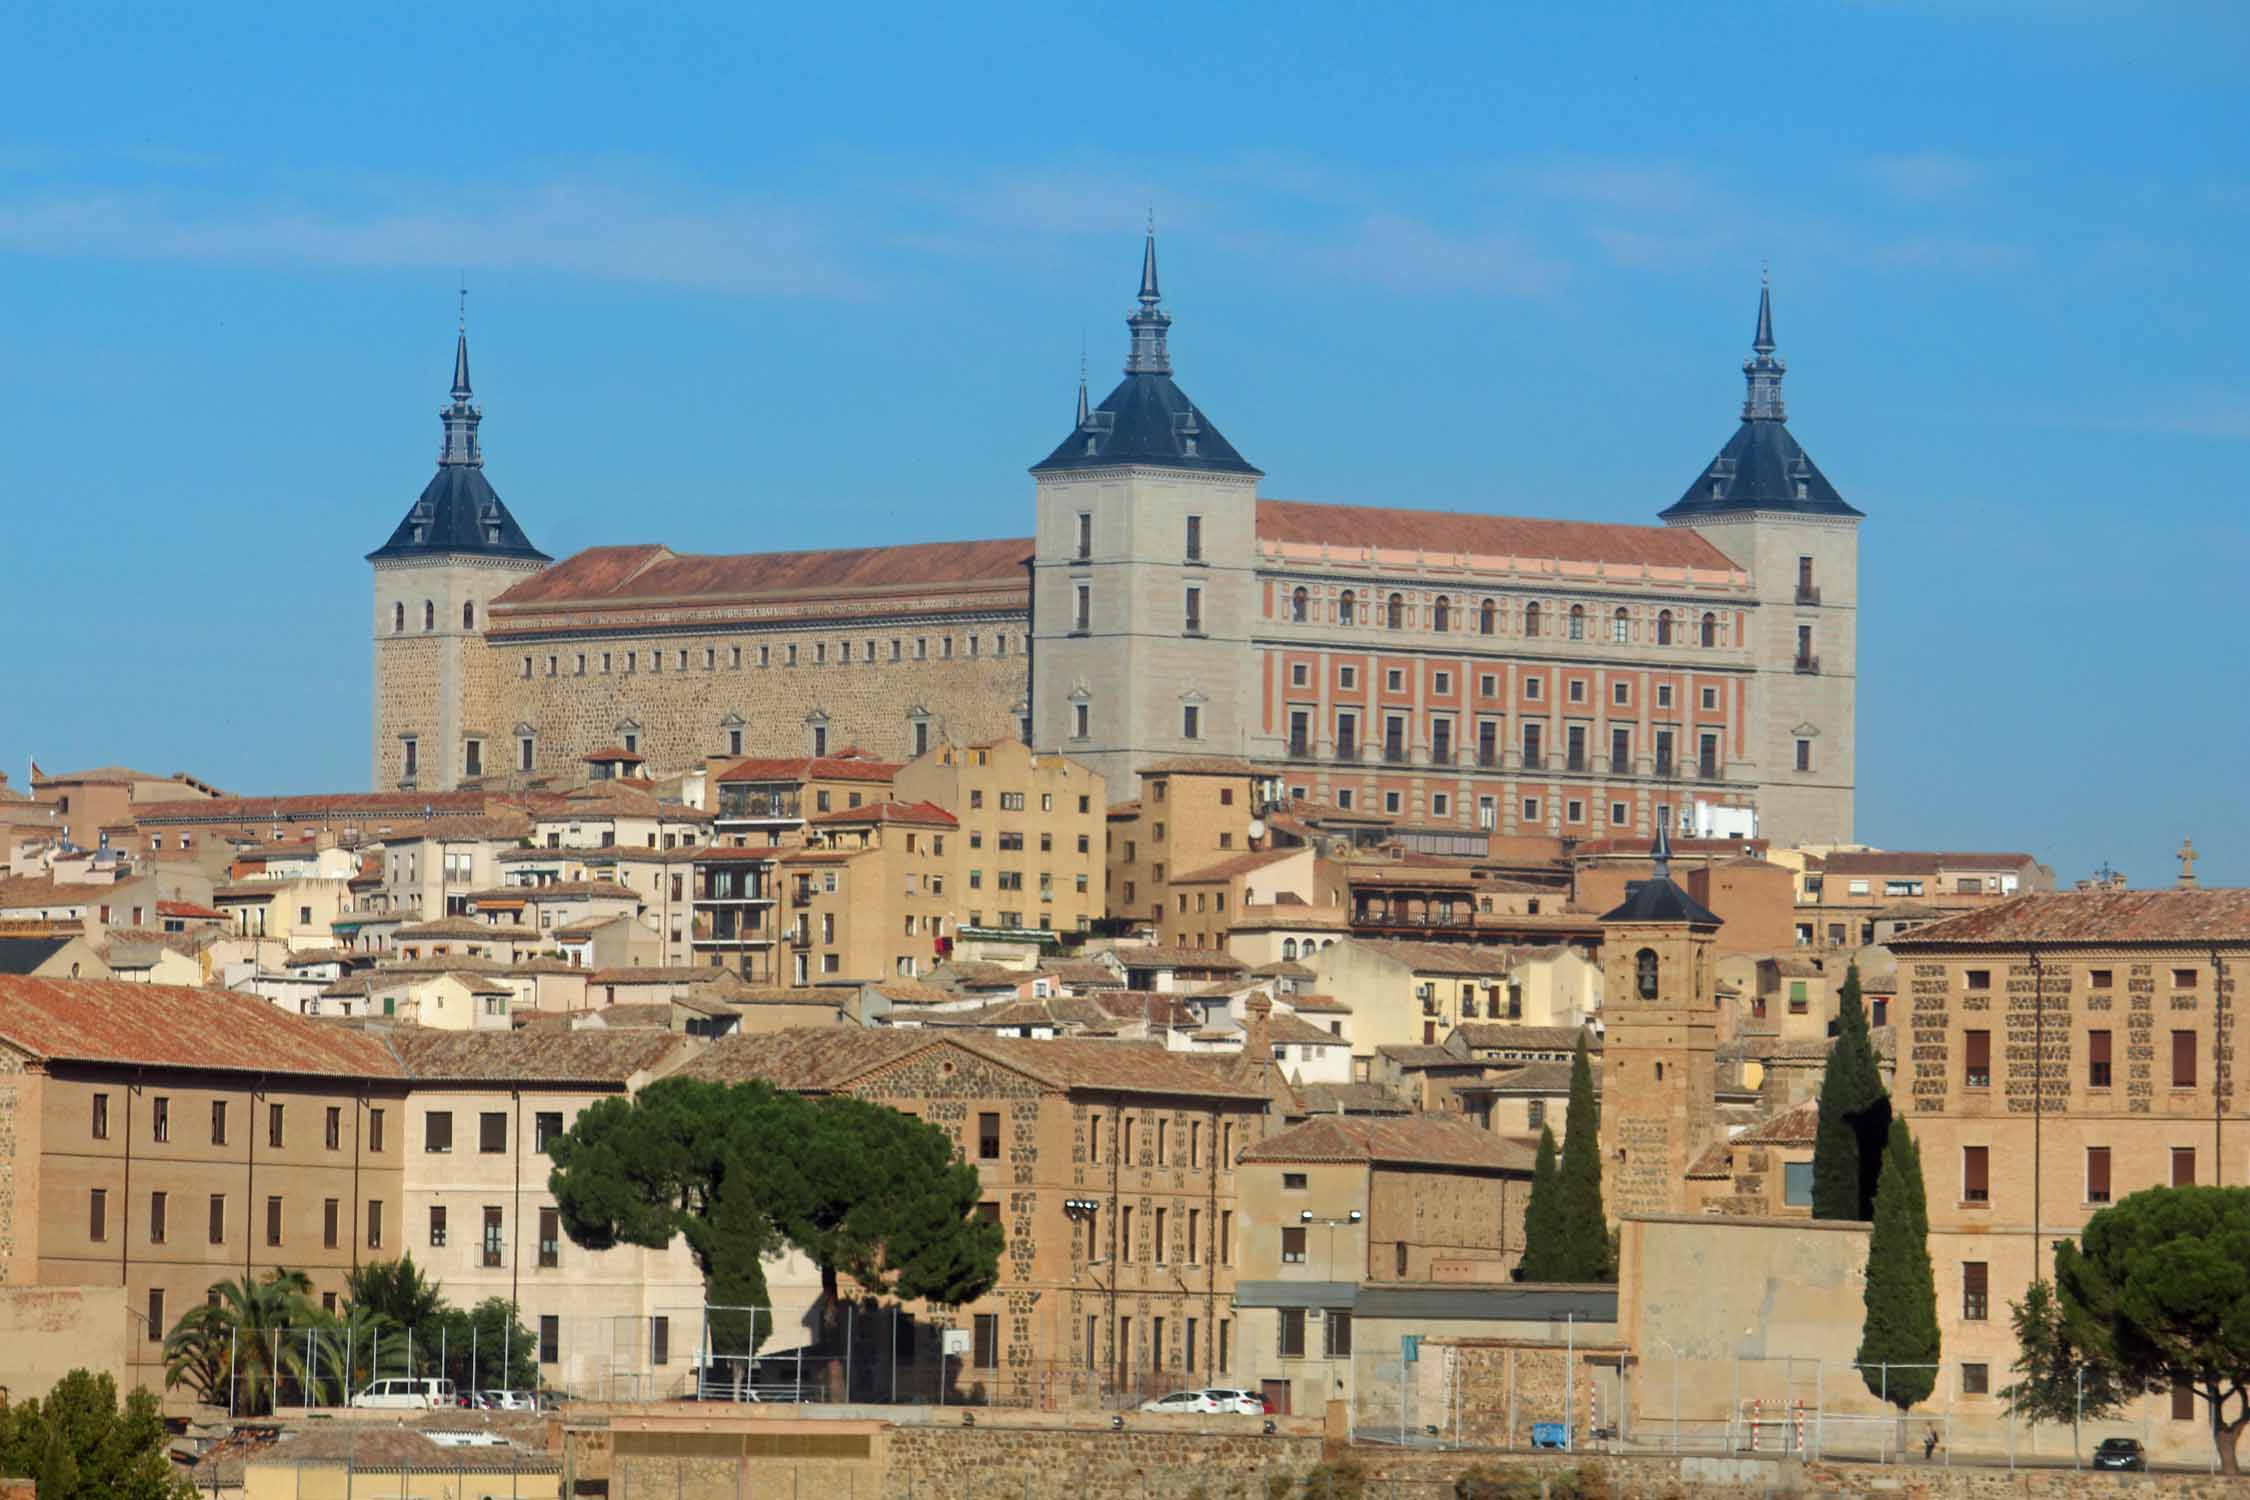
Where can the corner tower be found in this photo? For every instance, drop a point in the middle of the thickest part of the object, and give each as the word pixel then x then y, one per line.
pixel 1659 1041
pixel 456 549
pixel 1143 586
pixel 1765 504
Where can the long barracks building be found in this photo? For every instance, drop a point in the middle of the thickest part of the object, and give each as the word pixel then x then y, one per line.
pixel 1565 678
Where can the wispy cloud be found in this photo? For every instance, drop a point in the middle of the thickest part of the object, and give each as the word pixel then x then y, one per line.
pixel 1928 176
pixel 2211 414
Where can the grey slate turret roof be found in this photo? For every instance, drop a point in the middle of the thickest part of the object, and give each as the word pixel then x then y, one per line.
pixel 1148 419
pixel 459 512
pixel 1762 467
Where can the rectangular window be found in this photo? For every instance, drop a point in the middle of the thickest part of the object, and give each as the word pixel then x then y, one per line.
pixel 218 1122
pixel 101 1117
pixel 988 1137
pixel 1976 1290
pixel 274 1119
pixel 158 1204
pixel 1796 1179
pixel 1226 1236
pixel 1162 1219
pixel 156 1329
pixel 545 1126
pixel 495 1241
pixel 374 1223
pixel 1292 1333
pixel 334 1129
pixel 2097 1174
pixel 160 1118
pixel 273 1220
pixel 375 1131
pixel 331 1222
pixel 437 1225
pixel 1085 547
pixel 550 1338
pixel 1191 721
pixel 1195 539
pixel 1339 1333
pixel 1976 1174
pixel 660 1341
pixel 2183 1166
pixel 1976 1059
pixel 1976 1379
pixel 2183 1403
pixel 2097 1059
pixel 2183 1059
pixel 1192 610
pixel 1293 1247
pixel 986 1353
pixel 550 1238
pixel 97 1215
pixel 437 1131
pixel 1804 755
pixel 218 1218
pixel 492 1132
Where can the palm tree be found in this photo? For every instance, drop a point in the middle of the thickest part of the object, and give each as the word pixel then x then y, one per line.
pixel 267 1319
pixel 357 1344
pixel 199 1353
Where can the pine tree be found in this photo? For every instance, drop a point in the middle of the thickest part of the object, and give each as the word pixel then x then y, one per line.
pixel 1855 1116
pixel 1898 1343
pixel 1542 1215
pixel 1584 1227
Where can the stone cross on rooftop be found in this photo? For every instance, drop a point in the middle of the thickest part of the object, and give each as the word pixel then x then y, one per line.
pixel 2187 864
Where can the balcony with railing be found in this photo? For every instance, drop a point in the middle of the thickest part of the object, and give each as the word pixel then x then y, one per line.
pixel 756 804
pixel 1709 770
pixel 1534 760
pixel 1808 593
pixel 1442 755
pixel 1347 750
pixel 1807 664
pixel 1394 753
pixel 1300 750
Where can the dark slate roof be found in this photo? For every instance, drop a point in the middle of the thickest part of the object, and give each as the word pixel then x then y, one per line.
pixel 1758 470
pixel 457 502
pixel 1139 423
pixel 21 955
pixel 1659 900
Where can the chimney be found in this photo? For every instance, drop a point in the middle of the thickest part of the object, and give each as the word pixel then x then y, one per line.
pixel 1257 1032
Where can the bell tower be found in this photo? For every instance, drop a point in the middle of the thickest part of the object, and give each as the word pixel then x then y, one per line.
pixel 1659 1040
pixel 457 548
pixel 1143 584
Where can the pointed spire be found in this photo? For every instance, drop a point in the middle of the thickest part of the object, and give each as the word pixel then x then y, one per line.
pixel 1763 370
pixel 1660 853
pixel 1082 390
pixel 1149 355
pixel 462 416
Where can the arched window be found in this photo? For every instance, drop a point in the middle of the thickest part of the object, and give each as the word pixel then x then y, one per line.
pixel 1710 630
pixel 429 615
pixel 1644 973
pixel 1664 627
pixel 1297 602
pixel 1488 618
pixel 1344 608
pixel 1441 617
pixel 1288 948
pixel 1578 622
pixel 398 619
pixel 1395 612
pixel 1531 619
pixel 1620 628
pixel 468 617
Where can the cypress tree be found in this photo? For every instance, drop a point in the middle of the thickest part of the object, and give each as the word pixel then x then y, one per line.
pixel 1584 1236
pixel 1901 1330
pixel 1855 1116
pixel 1542 1215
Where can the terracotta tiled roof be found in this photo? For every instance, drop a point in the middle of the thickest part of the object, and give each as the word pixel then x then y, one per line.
pixel 972 975
pixel 912 992
pixel 1411 1140
pixel 106 1020
pixel 1539 1078
pixel 828 1059
pixel 1352 1099
pixel 1285 1027
pixel 810 768
pixel 1497 1034
pixel 1216 960
pixel 469 927
pixel 612 752
pixel 2219 915
pixel 1464 960
pixel 1417 1055
pixel 1285 968
pixel 657 974
pixel 1713 1165
pixel 189 909
pixel 39 890
pixel 364 810
pixel 372 1449
pixel 1449 533
pixel 1316 1004
pixel 1792 1127
pixel 1240 864
pixel 636 1016
pixel 533 1055
pixel 1203 765
pixel 655 572
pixel 1061 1012
pixel 1080 971
pixel 1918 861
pixel 101 775
pixel 558 890
pixel 305 959
pixel 920 814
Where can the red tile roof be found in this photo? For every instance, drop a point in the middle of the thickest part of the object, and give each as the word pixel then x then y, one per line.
pixel 1413 1140
pixel 656 572
pixel 830 1059
pixel 613 752
pixel 353 808
pixel 1240 864
pixel 1917 861
pixel 188 909
pixel 810 768
pixel 925 814
pixel 2168 916
pixel 1454 532
pixel 115 1021
pixel 535 1055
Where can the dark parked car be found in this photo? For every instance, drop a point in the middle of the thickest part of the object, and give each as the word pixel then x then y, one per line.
pixel 2119 1453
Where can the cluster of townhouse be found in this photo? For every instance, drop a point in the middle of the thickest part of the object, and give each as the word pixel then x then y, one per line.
pixel 1237 1068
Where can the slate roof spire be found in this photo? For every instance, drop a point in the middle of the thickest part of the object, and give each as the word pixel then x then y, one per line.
pixel 1660 854
pixel 459 512
pixel 1763 370
pixel 461 418
pixel 1149 355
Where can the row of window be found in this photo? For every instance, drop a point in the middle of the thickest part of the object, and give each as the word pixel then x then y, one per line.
pixel 2186 978
pixel 1533 686
pixel 1162 1147
pixel 1491 616
pixel 1159 1352
pixel 1976 1059
pixel 1335 1324
pixel 1976 1172
pixel 866 651
pixel 1443 748
pixel 1089 1244
pixel 429 617
pixel 160 1123
pixel 160 1227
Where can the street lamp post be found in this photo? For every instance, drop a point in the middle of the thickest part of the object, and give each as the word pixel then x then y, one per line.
pixel 1328 1273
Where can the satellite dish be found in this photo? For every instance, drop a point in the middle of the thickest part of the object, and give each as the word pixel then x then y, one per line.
pixel 1257 828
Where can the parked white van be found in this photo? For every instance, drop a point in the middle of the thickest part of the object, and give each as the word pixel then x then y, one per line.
pixel 417 1393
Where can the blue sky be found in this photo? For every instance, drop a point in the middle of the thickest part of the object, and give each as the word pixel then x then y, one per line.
pixel 763 278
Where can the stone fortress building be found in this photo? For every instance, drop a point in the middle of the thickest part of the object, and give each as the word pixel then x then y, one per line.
pixel 1543 677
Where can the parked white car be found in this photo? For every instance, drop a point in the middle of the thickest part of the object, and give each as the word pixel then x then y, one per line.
pixel 403 1393
pixel 1180 1403
pixel 508 1400
pixel 1227 1400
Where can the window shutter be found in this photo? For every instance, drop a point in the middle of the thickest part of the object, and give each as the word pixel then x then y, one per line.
pixel 2097 1174
pixel 1976 1182
pixel 2183 1059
